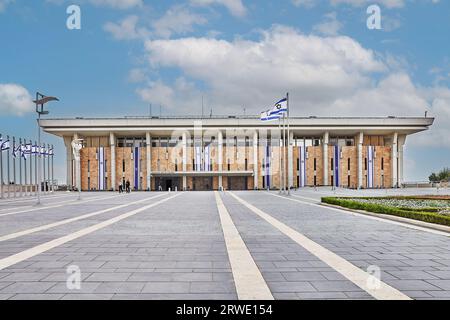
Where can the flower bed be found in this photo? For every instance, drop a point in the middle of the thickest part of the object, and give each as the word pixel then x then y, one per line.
pixel 428 209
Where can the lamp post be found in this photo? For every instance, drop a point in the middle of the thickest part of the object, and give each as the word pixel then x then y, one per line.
pixel 40 101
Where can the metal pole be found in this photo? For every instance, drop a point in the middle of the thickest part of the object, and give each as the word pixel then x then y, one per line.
pixel 14 166
pixel 20 167
pixel 284 153
pixel 280 172
pixel 8 173
pixel 288 141
pixel 39 158
pixel 35 168
pixel 53 169
pixel 25 169
pixel 1 168
pixel 31 168
pixel 48 169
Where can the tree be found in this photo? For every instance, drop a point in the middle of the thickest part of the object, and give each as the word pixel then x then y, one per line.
pixel 433 177
pixel 443 175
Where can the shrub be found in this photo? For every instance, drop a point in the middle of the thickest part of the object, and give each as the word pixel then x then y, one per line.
pixel 425 216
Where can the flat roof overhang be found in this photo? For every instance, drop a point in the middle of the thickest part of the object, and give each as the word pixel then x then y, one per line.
pixel 300 126
pixel 202 174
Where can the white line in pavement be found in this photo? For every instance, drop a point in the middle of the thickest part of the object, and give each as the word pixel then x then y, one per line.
pixel 66 221
pixel 59 204
pixel 33 198
pixel 249 282
pixel 398 223
pixel 344 267
pixel 26 254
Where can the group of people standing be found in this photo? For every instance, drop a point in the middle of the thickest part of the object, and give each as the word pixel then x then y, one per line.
pixel 125 187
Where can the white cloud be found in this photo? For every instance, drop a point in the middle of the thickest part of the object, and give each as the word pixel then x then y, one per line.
pixel 330 26
pixel 304 3
pixel 326 76
pixel 136 75
pixel 4 4
pixel 126 29
pixel 118 4
pixel 236 7
pixel 359 3
pixel 177 20
pixel 15 99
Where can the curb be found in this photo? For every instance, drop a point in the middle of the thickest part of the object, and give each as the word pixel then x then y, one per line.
pixel 419 223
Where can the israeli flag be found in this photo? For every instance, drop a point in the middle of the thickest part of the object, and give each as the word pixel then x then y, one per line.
pixel 266 116
pixel 279 108
pixel 4 145
pixel 16 151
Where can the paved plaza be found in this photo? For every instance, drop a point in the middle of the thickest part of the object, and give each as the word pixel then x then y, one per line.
pixel 215 245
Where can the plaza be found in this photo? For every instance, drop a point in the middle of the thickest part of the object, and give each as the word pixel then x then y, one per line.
pixel 216 245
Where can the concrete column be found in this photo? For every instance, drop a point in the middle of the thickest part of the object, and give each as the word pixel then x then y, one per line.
pixel 326 137
pixel 112 142
pixel 255 160
pixel 400 145
pixel 394 157
pixel 77 168
pixel 184 141
pixel 148 144
pixel 220 162
pixel 359 141
pixel 290 161
pixel 69 157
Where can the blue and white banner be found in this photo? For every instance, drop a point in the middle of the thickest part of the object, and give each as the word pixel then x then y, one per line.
pixel 267 169
pixel 207 159
pixel 4 145
pixel 137 169
pixel 370 166
pixel 101 168
pixel 276 111
pixel 198 159
pixel 302 171
pixel 337 157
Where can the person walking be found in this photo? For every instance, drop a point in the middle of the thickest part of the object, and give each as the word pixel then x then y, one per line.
pixel 120 188
pixel 128 186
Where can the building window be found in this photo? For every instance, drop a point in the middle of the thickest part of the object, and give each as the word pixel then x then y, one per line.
pixel 332 180
pixel 176 164
pixel 246 164
pixel 298 164
pixel 382 163
pixel 229 165
pixel 123 165
pixel 365 163
pixel 89 165
pixel 348 181
pixel 332 164
pixel 348 164
pixel 315 181
pixel 193 164
pixel 315 165
pixel 89 183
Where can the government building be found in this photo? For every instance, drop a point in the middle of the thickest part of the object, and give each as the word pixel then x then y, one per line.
pixel 235 152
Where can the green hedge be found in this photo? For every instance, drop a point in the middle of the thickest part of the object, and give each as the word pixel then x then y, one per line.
pixel 378 208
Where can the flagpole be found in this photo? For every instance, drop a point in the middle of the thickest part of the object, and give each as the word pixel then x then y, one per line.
pixel 14 166
pixel 7 164
pixel 284 152
pixel 1 167
pixel 36 168
pixel 288 142
pixel 48 169
pixel 53 168
pixel 280 173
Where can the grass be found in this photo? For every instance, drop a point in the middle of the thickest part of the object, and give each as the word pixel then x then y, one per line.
pixel 422 214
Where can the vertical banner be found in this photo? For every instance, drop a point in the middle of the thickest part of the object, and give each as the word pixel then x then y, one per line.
pixel 267 166
pixel 302 173
pixel 370 166
pixel 207 158
pixel 136 168
pixel 337 157
pixel 101 169
pixel 198 159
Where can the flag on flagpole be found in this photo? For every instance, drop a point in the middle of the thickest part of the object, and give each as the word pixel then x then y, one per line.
pixel 275 112
pixel 4 145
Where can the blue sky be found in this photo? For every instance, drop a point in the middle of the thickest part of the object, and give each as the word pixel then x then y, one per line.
pixel 236 53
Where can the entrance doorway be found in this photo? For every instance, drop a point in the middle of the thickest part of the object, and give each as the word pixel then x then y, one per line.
pixel 202 183
pixel 164 184
pixel 237 183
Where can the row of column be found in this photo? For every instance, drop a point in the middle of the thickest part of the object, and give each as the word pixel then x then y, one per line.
pixel 398 142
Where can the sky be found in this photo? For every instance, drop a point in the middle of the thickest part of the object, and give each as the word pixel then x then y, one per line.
pixel 238 54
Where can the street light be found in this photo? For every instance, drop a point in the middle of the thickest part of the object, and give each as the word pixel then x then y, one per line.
pixel 40 101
